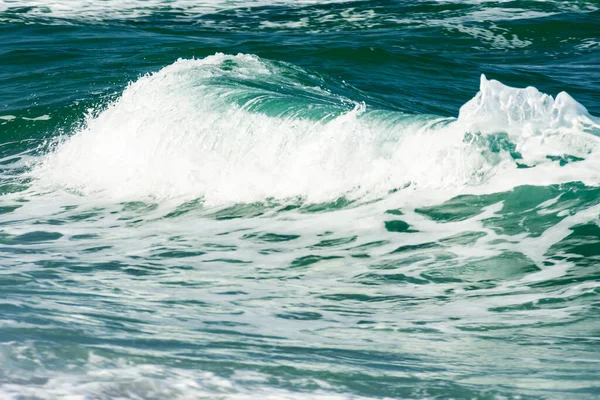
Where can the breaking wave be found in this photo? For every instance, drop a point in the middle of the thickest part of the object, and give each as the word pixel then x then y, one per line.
pixel 238 128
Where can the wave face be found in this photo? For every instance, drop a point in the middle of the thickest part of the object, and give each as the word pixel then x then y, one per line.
pixel 238 128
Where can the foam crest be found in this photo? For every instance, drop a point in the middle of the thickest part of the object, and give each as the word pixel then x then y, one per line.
pixel 538 125
pixel 241 129
pixel 502 107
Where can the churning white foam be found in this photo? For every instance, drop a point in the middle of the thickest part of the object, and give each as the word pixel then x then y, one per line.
pixel 238 129
pixel 155 382
pixel 540 125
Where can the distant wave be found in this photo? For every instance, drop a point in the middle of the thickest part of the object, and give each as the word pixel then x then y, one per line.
pixel 489 23
pixel 110 9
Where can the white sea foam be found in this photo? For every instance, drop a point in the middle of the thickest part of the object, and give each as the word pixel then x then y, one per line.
pixel 523 111
pixel 539 125
pixel 199 129
pixel 140 382
pixel 44 117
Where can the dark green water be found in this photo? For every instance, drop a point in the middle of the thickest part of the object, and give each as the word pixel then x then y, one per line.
pixel 282 199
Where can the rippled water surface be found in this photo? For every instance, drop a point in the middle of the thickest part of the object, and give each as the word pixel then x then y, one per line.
pixel 279 199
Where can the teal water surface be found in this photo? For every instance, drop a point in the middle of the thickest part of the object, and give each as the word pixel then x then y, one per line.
pixel 278 199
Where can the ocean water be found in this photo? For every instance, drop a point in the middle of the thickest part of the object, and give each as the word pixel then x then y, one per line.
pixel 280 199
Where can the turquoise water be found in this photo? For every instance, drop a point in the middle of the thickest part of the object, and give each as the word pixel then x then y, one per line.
pixel 280 199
